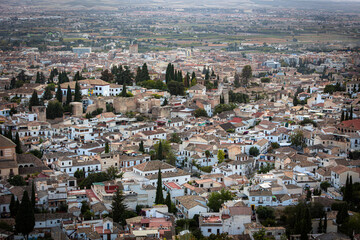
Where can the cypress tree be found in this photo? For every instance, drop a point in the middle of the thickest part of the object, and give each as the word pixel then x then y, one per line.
pixel 59 94
pixel 33 199
pixel 47 94
pixel 168 201
pixel 320 228
pixel 346 190
pixel 193 75
pixel 307 226
pixel 351 113
pixel 138 76
pixel 346 116
pixel 34 100
pixel 342 215
pixel 77 97
pixel 159 199
pixel 68 95
pixel 12 206
pixel 342 116
pixel 107 148
pixel 350 191
pixel 145 73
pixel 18 148
pixel 118 208
pixel 123 92
pixel 25 218
pixel 160 151
pixel 141 146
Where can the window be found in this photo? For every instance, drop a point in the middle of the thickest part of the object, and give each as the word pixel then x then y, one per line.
pixel 1 153
pixel 209 230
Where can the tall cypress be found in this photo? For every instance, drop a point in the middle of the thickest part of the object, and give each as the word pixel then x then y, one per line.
pixel 12 206
pixel 159 199
pixel 145 73
pixel 77 97
pixel 118 208
pixel 342 116
pixel 33 199
pixel 18 148
pixel 34 100
pixel 68 95
pixel 351 113
pixel 25 218
pixel 168 201
pixel 160 151
pixel 59 94
pixel 141 147
pixel 123 92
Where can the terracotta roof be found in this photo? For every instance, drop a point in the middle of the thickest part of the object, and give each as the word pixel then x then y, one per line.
pixel 153 165
pixel 6 143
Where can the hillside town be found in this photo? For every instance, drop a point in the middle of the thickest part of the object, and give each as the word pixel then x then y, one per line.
pixel 168 144
pixel 181 120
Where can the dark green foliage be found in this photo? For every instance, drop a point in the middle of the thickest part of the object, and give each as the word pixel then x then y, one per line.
pixel 265 80
pixel 266 169
pixel 351 112
pixel 218 198
pixel 79 174
pixel 354 155
pixel 25 219
pixel 237 80
pixel 54 110
pixel 308 121
pixel 333 88
pixel 142 74
pixel 175 138
pixel 12 206
pixel 33 199
pixel 153 84
pixel 265 213
pixel 141 147
pixel 47 94
pixel 200 112
pixel 297 219
pixel 123 75
pixel 342 216
pixel 17 180
pixel 17 141
pixel 59 94
pixel 92 178
pixel 84 207
pixel 325 185
pixel 246 74
pixel 118 208
pixel 78 76
pixel 176 88
pixel 159 152
pixel 40 78
pixel 254 151
pixel 297 139
pixel 34 100
pixel 261 235
pixel 238 97
pixel 68 95
pixel 107 76
pixel 77 96
pixel 159 199
pixel 107 148
pixel 62 78
pixel 275 145
pixel 308 195
pixel 224 107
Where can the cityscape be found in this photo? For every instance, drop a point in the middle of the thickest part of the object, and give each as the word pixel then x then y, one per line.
pixel 182 120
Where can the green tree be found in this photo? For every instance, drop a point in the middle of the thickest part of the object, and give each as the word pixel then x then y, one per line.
pixel 246 74
pixel 113 173
pixel 33 198
pixel 342 216
pixel 325 185
pixel 68 95
pixel 59 94
pixel 297 139
pixel 168 201
pixel 200 112
pixel 18 148
pixel 25 218
pixel 47 94
pixel 237 80
pixel 160 151
pixel 107 76
pixel 207 155
pixel 175 138
pixel 77 95
pixel 220 156
pixel 218 198
pixel 176 88
pixel 261 235
pixel 17 180
pixel 124 92
pixel 84 207
pixel 351 111
pixel 54 110
pixel 107 148
pixel 254 151
pixel 141 147
pixel 159 199
pixel 34 100
pixel 12 206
